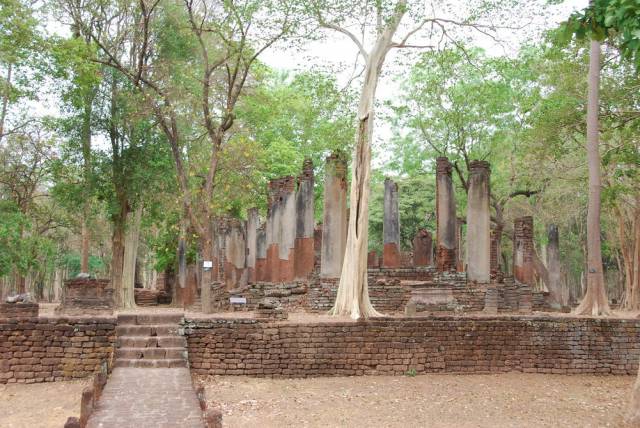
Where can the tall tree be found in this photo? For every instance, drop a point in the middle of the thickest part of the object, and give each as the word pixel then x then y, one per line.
pixel 215 45
pixel 378 22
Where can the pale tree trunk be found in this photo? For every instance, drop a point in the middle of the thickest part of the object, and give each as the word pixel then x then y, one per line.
pixel 131 240
pixel 630 250
pixel 353 292
pixel 86 209
pixel 117 258
pixel 182 262
pixel 57 285
pixel 206 249
pixel 595 300
pixel 5 102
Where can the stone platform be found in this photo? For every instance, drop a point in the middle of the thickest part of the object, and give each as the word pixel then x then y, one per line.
pixel 87 296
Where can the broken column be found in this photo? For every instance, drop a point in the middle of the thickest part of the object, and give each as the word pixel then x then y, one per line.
pixel 252 230
pixel 558 294
pixel 445 217
pixel 460 244
pixel 235 255
pixel 287 242
pixel 478 222
pixel 523 250
pixel 334 225
pixel 304 250
pixel 272 268
pixel 391 226
pixel 422 248
pixel 261 254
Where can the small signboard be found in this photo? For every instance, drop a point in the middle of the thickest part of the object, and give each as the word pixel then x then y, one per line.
pixel 207 265
pixel 238 300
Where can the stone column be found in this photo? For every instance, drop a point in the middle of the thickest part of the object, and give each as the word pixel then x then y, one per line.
pixel 261 254
pixel 304 253
pixel 252 229
pixel 391 226
pixel 272 268
pixel 334 224
pixel 422 248
pixel 235 255
pixel 445 217
pixel 478 222
pixel 460 244
pixel 523 250
pixel 287 242
pixel 558 293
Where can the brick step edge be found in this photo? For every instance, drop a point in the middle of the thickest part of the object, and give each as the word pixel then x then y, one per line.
pixel 145 363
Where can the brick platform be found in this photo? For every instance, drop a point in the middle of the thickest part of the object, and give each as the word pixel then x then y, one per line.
pixel 84 296
pixel 19 310
pixel 52 349
pixel 426 345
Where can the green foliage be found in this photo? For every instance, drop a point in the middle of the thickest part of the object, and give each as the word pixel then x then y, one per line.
pixel 416 200
pixel 617 19
pixel 71 263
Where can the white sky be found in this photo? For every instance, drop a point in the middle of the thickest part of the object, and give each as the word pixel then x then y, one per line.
pixel 337 53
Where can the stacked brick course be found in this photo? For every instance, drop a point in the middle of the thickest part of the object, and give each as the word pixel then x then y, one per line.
pixel 84 296
pixel 18 310
pixel 52 349
pixel 427 345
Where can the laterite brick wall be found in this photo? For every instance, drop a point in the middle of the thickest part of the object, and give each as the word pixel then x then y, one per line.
pixel 427 345
pixel 50 349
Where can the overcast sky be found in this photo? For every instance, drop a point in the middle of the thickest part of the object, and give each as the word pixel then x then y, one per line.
pixel 337 54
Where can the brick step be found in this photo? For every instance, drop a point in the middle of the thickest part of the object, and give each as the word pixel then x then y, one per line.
pixel 151 363
pixel 151 354
pixel 150 319
pixel 147 330
pixel 151 342
pixel 196 306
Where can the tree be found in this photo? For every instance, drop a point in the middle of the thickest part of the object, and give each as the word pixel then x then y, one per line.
pixel 225 39
pixel 26 218
pixel 379 21
pixel 613 19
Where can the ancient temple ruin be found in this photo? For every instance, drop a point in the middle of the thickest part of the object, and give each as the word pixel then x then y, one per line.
pixel 286 256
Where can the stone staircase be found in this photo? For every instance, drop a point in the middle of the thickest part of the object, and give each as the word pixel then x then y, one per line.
pixel 150 340
pixel 196 306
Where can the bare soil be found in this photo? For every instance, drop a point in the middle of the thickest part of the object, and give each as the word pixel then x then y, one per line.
pixel 39 405
pixel 504 400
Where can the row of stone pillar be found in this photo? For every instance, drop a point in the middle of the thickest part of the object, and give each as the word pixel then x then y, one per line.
pixel 448 236
pixel 282 249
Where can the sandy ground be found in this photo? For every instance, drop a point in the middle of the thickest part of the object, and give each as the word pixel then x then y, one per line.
pixel 40 405
pixel 505 400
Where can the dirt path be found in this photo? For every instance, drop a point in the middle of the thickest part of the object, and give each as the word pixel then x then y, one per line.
pixel 39 405
pixel 507 400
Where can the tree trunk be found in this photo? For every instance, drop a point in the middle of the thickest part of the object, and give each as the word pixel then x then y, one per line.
pixel 206 249
pixel 131 240
pixel 117 258
pixel 595 300
pixel 5 102
pixel 353 291
pixel 86 155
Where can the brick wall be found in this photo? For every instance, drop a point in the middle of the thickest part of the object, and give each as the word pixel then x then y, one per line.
pixel 52 349
pixel 427 345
